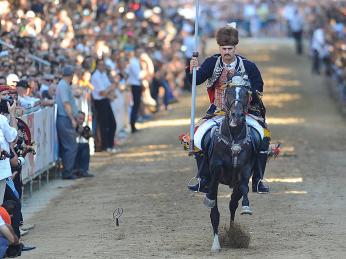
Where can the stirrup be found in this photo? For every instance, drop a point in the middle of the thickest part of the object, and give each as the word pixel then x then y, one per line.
pixel 198 182
pixel 261 181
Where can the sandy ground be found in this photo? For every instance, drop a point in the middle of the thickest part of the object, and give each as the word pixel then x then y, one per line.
pixel 302 217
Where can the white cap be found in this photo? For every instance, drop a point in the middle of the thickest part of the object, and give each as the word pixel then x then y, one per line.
pixel 30 14
pixel 12 79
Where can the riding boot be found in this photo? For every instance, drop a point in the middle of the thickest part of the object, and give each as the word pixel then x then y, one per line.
pixel 203 174
pixel 260 165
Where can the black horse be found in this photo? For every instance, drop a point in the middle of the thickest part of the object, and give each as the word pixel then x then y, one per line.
pixel 232 149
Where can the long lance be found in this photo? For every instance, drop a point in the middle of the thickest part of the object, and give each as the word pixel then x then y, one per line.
pixel 194 71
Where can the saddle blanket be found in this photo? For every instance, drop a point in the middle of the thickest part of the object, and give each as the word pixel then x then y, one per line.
pixel 208 124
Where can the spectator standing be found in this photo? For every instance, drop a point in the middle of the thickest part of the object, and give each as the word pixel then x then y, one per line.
pixel 66 122
pixel 47 80
pixel 24 99
pixel 318 47
pixel 133 71
pixel 297 26
pixel 103 89
pixel 48 96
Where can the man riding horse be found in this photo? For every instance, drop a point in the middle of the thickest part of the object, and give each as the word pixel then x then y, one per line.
pixel 217 70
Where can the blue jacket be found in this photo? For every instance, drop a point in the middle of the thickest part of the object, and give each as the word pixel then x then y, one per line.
pixel 206 71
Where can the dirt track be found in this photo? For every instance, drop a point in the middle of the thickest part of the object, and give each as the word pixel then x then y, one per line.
pixel 302 217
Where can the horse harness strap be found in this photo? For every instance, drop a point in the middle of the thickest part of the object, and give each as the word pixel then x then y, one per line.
pixel 236 148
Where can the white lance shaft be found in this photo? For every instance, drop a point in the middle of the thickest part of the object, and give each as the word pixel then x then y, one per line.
pixel 194 71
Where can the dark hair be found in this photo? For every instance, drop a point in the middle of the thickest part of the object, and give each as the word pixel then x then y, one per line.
pixel 227 36
pixel 99 60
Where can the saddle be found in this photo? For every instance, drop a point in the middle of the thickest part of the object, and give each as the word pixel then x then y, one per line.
pixel 204 126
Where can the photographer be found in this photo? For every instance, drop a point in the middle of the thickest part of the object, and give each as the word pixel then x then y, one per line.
pixel 8 134
pixel 83 153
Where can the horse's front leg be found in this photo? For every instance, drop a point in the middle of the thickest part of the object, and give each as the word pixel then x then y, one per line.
pixel 244 189
pixel 210 197
pixel 215 221
pixel 233 203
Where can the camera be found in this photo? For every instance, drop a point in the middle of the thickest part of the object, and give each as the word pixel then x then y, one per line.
pixel 4 155
pixel 85 131
pixel 3 103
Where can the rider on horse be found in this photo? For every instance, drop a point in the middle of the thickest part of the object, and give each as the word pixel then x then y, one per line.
pixel 217 70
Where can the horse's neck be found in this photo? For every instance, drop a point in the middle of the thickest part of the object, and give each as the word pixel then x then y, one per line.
pixel 234 133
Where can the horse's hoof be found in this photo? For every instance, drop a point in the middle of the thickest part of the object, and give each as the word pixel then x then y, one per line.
pixel 246 210
pixel 209 203
pixel 216 250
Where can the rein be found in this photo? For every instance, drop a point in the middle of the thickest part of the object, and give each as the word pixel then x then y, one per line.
pixel 231 143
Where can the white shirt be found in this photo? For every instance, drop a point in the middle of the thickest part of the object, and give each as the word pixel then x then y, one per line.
pixel 249 11
pixel 133 71
pixel 7 135
pixel 297 23
pixel 231 66
pixel 100 82
pixel 318 42
pixel 2 222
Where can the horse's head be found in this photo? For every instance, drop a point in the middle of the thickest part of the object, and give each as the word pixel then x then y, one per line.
pixel 236 101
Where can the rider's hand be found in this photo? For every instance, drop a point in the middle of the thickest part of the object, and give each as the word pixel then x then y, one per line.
pixel 193 63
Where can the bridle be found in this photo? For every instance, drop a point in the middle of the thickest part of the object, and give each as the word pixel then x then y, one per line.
pixel 235 145
pixel 244 103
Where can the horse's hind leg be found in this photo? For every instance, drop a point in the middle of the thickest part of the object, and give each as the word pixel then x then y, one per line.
pixel 215 221
pixel 233 203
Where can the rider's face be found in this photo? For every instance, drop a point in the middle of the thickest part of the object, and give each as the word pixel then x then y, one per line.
pixel 227 53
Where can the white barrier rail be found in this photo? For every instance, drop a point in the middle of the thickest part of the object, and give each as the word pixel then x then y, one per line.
pixel 43 132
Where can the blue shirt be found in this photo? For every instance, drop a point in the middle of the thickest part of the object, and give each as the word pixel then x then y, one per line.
pixel 64 94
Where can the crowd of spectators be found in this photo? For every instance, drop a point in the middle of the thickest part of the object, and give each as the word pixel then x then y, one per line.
pixel 108 65
pixel 79 33
pixel 323 26
pixel 105 65
pixel 333 54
